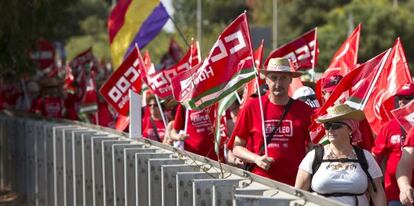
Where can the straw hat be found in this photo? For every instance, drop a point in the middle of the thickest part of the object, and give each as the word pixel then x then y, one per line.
pixel 280 65
pixel 341 112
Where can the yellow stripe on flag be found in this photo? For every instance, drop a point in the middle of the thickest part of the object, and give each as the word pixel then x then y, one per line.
pixel 137 13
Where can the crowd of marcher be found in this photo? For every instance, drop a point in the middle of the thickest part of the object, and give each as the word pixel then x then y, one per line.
pixel 268 135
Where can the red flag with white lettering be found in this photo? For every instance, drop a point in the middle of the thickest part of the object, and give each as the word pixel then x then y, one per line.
pixel 395 74
pixel 302 52
pixel 127 76
pixel 405 115
pixel 160 81
pixel 228 66
pixel 250 87
pixel 357 81
pixel 342 62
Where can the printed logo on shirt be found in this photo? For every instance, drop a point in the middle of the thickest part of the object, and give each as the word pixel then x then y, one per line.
pixel 201 121
pixel 285 129
pixel 395 139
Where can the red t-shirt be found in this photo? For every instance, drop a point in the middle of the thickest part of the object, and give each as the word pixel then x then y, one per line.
pixel 289 142
pixel 50 107
pixel 200 130
pixel 72 105
pixel 148 129
pixel 388 144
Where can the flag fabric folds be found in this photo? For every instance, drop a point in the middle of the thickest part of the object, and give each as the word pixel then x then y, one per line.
pixel 134 21
pixel 405 116
pixel 302 52
pixel 160 81
pixel 342 62
pixel 127 76
pixel 229 64
pixel 356 81
pixel 395 74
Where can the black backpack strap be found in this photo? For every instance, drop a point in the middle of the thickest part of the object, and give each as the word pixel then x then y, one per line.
pixel 317 161
pixel 154 127
pixel 285 111
pixel 362 160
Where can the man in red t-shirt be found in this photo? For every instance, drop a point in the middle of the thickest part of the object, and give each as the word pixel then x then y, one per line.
pixel 405 170
pixel 287 142
pixel 199 137
pixel 388 145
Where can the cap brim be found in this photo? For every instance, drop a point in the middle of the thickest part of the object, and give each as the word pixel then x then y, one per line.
pixel 354 115
pixel 294 74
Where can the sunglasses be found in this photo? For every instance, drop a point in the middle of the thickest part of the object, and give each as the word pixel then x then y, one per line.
pixel 333 125
pixel 411 97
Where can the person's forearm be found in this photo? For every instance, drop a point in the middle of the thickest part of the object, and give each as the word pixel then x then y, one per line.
pixel 244 154
pixel 404 171
pixel 174 135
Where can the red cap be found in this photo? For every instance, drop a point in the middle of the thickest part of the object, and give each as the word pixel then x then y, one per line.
pixel 406 90
pixel 329 83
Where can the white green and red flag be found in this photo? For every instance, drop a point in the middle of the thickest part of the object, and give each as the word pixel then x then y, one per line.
pixel 302 51
pixel 127 76
pixel 378 102
pixel 229 65
pixel 159 82
pixel 344 60
pixel 356 82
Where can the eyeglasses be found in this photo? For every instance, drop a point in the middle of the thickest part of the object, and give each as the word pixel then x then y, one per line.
pixel 152 105
pixel 333 125
pixel 411 97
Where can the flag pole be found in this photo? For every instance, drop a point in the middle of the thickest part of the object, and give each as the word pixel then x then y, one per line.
pixel 261 115
pixel 258 93
pixel 164 120
pixel 179 30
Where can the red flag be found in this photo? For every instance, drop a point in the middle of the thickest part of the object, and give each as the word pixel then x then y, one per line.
pixel 357 81
pixel 228 66
pixel 342 62
pixel 395 74
pixel 89 101
pixel 69 78
pixel 127 76
pixel 405 115
pixel 122 122
pixel 82 58
pixel 250 87
pixel 303 51
pixel 160 81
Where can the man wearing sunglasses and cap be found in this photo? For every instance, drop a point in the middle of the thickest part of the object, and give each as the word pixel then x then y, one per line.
pixel 286 123
pixel 388 146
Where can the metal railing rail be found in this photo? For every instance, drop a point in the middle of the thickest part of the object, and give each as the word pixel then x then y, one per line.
pixel 61 162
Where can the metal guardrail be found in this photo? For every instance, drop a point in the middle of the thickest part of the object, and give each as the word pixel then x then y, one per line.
pixel 67 163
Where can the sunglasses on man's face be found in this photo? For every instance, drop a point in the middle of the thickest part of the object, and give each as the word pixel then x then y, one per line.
pixel 333 125
pixel 411 97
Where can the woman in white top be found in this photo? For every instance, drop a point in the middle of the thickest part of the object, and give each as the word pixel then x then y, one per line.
pixel 340 175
